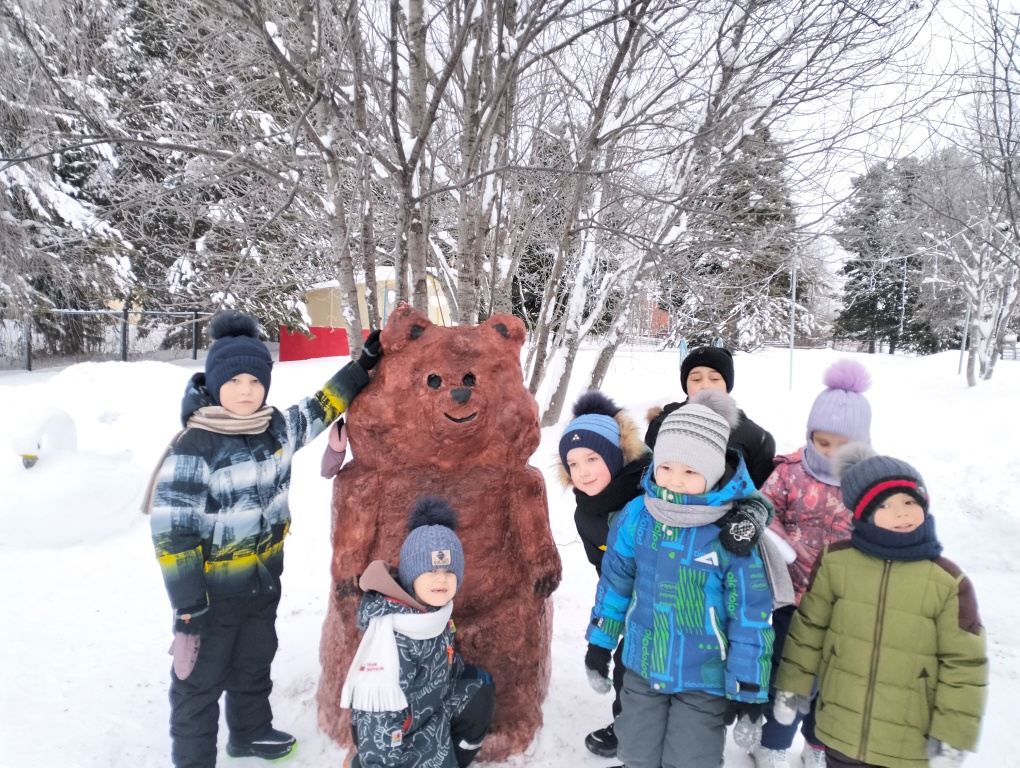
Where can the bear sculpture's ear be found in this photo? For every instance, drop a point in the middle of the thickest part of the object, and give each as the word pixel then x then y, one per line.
pixel 509 327
pixel 405 324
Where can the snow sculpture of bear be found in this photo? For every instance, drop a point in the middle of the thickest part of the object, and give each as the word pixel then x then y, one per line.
pixel 447 413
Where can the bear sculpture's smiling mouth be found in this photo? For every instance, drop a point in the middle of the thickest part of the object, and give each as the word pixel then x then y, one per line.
pixel 460 421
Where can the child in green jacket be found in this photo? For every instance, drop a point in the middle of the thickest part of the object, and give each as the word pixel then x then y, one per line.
pixel 890 629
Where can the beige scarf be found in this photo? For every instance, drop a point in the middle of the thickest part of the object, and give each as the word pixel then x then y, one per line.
pixel 216 418
pixel 212 418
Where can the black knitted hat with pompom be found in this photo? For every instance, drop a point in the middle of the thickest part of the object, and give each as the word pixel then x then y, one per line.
pixel 431 543
pixel 236 349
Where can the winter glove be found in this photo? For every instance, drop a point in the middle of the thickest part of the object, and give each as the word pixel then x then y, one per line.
pixel 747 732
pixel 184 649
pixel 471 672
pixel 941 755
pixel 596 664
pixel 743 526
pixel 735 709
pixel 371 352
pixel 190 621
pixel 787 705
pixel 336 450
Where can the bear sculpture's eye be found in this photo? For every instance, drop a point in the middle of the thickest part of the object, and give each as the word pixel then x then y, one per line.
pixel 434 382
pixel 468 380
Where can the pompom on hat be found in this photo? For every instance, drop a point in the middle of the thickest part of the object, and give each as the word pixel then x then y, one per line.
pixel 867 479
pixel 594 427
pixel 431 543
pixel 716 358
pixel 236 349
pixel 842 408
pixel 697 434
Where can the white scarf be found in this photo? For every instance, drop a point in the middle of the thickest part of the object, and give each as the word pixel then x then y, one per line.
pixel 373 681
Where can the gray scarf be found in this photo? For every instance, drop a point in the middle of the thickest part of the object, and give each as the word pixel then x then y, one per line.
pixel 684 515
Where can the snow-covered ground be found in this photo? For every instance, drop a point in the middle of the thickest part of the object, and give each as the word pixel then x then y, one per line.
pixel 86 624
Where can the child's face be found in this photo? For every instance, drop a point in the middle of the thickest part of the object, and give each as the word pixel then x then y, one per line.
pixel 703 377
pixel 679 478
pixel 243 394
pixel 588 471
pixel 901 512
pixel 435 588
pixel 826 443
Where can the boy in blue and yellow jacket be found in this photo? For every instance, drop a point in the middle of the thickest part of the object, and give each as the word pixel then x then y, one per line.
pixel 219 519
pixel 698 642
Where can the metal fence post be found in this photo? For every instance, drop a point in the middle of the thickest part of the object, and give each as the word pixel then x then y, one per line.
pixel 28 341
pixel 194 335
pixel 124 335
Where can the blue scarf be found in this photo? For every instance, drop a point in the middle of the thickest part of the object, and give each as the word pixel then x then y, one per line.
pixel 922 543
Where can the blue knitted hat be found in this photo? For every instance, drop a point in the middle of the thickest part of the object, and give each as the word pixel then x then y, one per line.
pixel 431 543
pixel 595 427
pixel 236 348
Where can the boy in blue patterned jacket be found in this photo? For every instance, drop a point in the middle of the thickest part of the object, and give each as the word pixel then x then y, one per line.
pixel 219 519
pixel 698 644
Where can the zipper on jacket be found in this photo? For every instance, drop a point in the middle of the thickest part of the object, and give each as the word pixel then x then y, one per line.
pixel 718 633
pixel 875 653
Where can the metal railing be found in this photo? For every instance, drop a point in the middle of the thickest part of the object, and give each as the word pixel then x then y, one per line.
pixel 64 336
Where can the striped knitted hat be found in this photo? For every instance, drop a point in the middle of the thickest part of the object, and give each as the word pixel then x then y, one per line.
pixel 697 434
pixel 867 482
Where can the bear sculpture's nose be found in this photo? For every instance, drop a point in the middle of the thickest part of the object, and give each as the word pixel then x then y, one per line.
pixel 461 394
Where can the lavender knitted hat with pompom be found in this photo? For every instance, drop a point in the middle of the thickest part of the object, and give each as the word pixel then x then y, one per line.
pixel 842 408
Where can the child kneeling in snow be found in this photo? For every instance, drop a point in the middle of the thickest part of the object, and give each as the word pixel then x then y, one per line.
pixel 416 703
pixel 698 641
pixel 891 630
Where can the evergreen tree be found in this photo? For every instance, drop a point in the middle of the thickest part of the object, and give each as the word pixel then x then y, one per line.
pixel 742 243
pixel 881 228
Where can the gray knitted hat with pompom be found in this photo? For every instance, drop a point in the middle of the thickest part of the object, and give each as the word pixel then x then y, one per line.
pixel 431 543
pixel 697 434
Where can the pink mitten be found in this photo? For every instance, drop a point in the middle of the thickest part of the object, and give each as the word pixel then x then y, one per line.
pixel 336 450
pixel 184 649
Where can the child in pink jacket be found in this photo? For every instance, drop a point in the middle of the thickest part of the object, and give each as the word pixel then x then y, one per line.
pixel 810 515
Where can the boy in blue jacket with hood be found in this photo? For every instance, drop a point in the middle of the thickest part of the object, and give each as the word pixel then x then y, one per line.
pixel 698 644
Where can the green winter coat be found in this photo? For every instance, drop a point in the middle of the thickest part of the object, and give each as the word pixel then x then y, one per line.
pixel 899 652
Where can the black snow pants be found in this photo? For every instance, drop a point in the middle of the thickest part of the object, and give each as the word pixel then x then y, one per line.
pixel 238 644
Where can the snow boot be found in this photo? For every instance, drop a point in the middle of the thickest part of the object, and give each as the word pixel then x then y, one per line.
pixel 812 757
pixel 602 742
pixel 272 746
pixel 770 758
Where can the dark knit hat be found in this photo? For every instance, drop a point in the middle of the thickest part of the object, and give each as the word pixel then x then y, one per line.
pixel 431 544
pixel 594 427
pixel 236 348
pixel 867 480
pixel 716 358
pixel 842 408
pixel 697 434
